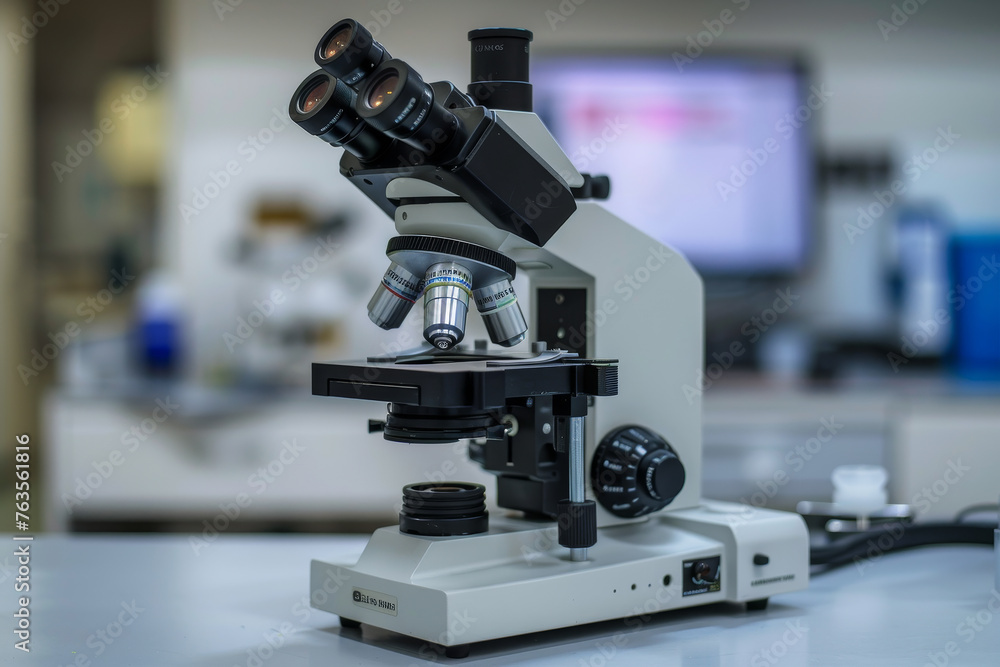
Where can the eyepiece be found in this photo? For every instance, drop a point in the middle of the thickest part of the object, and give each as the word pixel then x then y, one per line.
pixel 349 52
pixel 395 100
pixel 324 106
pixel 500 68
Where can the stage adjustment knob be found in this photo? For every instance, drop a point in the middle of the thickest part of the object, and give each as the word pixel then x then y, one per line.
pixel 635 472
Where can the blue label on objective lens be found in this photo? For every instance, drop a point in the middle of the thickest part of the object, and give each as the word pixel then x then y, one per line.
pixel 444 277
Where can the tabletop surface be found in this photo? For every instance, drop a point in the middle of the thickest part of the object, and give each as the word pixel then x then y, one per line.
pixel 238 600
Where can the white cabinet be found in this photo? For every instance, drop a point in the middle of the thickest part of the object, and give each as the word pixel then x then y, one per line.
pixel 307 458
pixel 311 458
pixel 946 455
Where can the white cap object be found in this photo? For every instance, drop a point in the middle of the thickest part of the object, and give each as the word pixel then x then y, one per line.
pixel 860 489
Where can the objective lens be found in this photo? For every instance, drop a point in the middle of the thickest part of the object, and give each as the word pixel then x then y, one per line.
pixel 381 91
pixel 314 95
pixel 497 303
pixel 394 297
pixel 349 52
pixel 337 43
pixel 396 101
pixel 324 106
pixel 447 287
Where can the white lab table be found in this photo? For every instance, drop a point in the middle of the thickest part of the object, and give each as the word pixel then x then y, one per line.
pixel 241 600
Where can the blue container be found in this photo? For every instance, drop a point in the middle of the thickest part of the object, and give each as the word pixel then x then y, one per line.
pixel 974 298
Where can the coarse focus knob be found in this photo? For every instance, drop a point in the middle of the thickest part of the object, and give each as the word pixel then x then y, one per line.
pixel 635 472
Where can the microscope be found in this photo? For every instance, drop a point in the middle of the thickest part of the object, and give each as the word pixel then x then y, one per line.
pixel 578 410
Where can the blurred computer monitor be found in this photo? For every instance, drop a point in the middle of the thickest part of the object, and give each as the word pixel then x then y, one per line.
pixel 711 155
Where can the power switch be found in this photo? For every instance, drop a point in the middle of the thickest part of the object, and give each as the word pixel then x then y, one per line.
pixel 760 559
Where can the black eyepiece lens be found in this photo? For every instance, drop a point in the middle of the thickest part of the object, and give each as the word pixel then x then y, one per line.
pixel 339 41
pixel 382 90
pixel 349 52
pixel 313 95
pixel 324 107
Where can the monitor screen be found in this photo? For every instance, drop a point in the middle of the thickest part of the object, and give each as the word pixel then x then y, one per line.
pixel 712 157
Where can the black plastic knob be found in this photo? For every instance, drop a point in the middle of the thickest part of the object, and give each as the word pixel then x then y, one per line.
pixel 635 472
pixel 577 524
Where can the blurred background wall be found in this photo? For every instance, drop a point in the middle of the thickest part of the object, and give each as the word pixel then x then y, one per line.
pixel 888 95
pixel 156 199
pixel 16 270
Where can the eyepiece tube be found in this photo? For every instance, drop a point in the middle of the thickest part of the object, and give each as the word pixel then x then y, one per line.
pixel 500 68
pixel 396 101
pixel 447 288
pixel 323 106
pixel 349 52
pixel 497 303
pixel 394 297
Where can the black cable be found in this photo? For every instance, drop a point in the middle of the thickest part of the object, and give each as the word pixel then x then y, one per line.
pixel 976 509
pixel 899 536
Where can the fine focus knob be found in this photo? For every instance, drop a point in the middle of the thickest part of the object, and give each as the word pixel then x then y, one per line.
pixel 635 472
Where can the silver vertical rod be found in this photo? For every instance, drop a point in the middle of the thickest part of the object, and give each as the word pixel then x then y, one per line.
pixel 577 486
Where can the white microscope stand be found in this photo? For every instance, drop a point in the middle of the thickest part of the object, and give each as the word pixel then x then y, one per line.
pixel 645 304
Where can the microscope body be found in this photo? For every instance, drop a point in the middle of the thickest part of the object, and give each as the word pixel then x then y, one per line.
pixel 639 302
pixel 595 445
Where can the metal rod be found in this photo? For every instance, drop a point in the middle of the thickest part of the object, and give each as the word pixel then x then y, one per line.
pixel 577 486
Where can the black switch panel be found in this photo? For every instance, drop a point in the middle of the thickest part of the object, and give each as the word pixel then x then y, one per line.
pixel 561 317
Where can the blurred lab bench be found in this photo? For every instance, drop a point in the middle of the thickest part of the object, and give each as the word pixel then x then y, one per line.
pixel 302 462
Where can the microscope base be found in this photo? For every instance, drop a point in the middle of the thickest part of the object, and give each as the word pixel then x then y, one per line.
pixel 516 579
